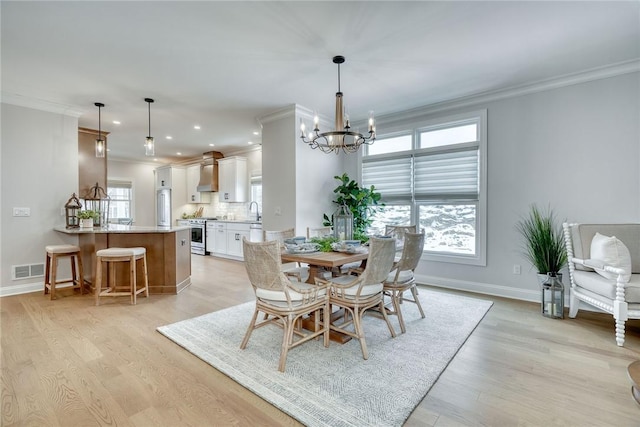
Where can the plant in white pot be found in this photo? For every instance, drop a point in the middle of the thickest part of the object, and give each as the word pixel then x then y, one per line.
pixel 87 217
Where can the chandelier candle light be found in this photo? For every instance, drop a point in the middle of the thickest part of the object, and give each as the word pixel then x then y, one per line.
pixel 342 138
pixel 101 145
pixel 149 146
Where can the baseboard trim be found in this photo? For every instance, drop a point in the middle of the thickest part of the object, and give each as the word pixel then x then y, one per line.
pixel 24 288
pixel 480 288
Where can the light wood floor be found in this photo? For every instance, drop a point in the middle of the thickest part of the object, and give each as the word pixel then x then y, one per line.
pixel 69 363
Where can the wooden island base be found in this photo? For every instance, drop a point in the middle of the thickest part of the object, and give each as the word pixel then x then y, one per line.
pixel 168 254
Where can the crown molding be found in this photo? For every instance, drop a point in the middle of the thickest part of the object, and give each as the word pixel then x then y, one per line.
pixel 598 73
pixel 288 111
pixel 41 104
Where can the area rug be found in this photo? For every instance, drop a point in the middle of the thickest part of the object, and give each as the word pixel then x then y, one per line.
pixel 335 386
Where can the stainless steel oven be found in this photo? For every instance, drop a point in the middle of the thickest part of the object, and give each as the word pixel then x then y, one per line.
pixel 198 236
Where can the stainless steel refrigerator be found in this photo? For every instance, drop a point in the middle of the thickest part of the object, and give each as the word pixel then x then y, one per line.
pixel 163 211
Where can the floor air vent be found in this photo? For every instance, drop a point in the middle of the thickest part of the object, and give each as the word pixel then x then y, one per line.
pixel 27 271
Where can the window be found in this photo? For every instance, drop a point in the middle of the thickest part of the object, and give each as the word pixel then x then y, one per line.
pixel 121 203
pixel 256 191
pixel 438 180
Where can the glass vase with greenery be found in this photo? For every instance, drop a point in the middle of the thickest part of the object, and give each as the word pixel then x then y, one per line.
pixel 543 244
pixel 362 202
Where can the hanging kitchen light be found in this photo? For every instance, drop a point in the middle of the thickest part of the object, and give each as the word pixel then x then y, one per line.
pixel 149 146
pixel 101 144
pixel 342 138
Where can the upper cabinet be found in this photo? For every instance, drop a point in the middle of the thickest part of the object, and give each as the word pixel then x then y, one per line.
pixel 163 177
pixel 193 179
pixel 233 179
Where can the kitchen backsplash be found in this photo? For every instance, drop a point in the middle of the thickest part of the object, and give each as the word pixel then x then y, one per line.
pixel 223 210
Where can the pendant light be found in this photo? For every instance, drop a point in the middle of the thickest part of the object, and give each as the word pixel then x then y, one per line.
pixel 101 144
pixel 149 146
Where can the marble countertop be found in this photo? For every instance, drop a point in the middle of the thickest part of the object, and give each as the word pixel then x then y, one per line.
pixel 124 229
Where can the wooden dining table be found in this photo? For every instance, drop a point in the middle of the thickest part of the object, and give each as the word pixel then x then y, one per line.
pixel 328 260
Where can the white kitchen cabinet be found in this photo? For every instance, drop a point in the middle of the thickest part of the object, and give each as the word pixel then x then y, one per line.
pixel 218 238
pixel 163 177
pixel 235 233
pixel 193 179
pixel 233 179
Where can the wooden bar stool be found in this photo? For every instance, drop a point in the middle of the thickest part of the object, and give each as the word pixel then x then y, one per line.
pixel 112 256
pixel 54 252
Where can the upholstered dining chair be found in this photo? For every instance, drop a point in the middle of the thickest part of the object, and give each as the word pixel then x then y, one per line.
pixel 283 302
pixel 356 294
pixel 402 279
pixel 290 269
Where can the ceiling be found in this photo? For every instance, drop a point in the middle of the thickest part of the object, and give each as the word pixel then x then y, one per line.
pixel 223 65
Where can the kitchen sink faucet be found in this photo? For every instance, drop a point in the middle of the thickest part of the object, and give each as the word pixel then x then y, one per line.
pixel 257 210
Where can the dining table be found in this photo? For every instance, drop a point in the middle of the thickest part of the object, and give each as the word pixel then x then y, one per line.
pixel 328 260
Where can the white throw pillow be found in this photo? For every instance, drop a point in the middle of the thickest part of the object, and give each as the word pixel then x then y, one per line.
pixel 611 251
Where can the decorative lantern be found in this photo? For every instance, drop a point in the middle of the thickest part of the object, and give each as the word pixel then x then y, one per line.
pixel 343 223
pixel 71 209
pixel 97 200
pixel 553 297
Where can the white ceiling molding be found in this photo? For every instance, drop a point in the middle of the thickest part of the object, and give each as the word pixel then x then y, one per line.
pixel 40 104
pixel 598 73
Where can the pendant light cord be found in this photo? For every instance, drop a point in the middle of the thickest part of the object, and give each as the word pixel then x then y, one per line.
pixel 339 78
pixel 99 121
pixel 149 105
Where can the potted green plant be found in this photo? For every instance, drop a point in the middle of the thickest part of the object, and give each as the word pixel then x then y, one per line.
pixel 543 241
pixel 362 202
pixel 87 217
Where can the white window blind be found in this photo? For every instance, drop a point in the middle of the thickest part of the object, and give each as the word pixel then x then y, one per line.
pixel 449 175
pixel 391 177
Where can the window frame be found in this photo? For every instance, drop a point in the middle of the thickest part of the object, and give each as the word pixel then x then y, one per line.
pixel 122 183
pixel 416 127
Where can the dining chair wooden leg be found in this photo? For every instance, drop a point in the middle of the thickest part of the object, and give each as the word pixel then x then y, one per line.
pixel 386 318
pixel 357 324
pixel 414 292
pixel 326 318
pixel 252 325
pixel 396 298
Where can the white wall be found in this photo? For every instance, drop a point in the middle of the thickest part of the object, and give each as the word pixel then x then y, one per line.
pixel 142 178
pixel 575 148
pixel 296 179
pixel 39 171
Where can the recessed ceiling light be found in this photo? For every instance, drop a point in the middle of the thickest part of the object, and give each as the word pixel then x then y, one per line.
pixel 212 145
pixel 256 133
pixel 179 154
pixel 108 149
pixel 250 143
pixel 155 160
pixel 169 137
pixel 116 122
pixel 197 127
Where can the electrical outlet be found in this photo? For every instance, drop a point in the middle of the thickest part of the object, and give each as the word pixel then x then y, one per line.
pixel 21 211
pixel 516 269
pixel 278 211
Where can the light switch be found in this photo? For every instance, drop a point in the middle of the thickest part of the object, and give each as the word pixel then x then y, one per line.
pixel 21 211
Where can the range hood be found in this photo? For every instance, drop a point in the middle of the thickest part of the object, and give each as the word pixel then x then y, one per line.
pixel 209 172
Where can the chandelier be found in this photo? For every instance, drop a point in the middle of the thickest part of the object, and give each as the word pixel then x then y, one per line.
pixel 149 147
pixel 342 138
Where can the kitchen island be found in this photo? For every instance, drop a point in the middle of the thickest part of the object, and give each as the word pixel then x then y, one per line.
pixel 168 253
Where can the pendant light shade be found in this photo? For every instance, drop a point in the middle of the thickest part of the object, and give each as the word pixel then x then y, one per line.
pixel 101 144
pixel 149 146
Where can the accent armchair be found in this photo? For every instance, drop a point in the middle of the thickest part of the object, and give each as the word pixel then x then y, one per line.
pixel 604 269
